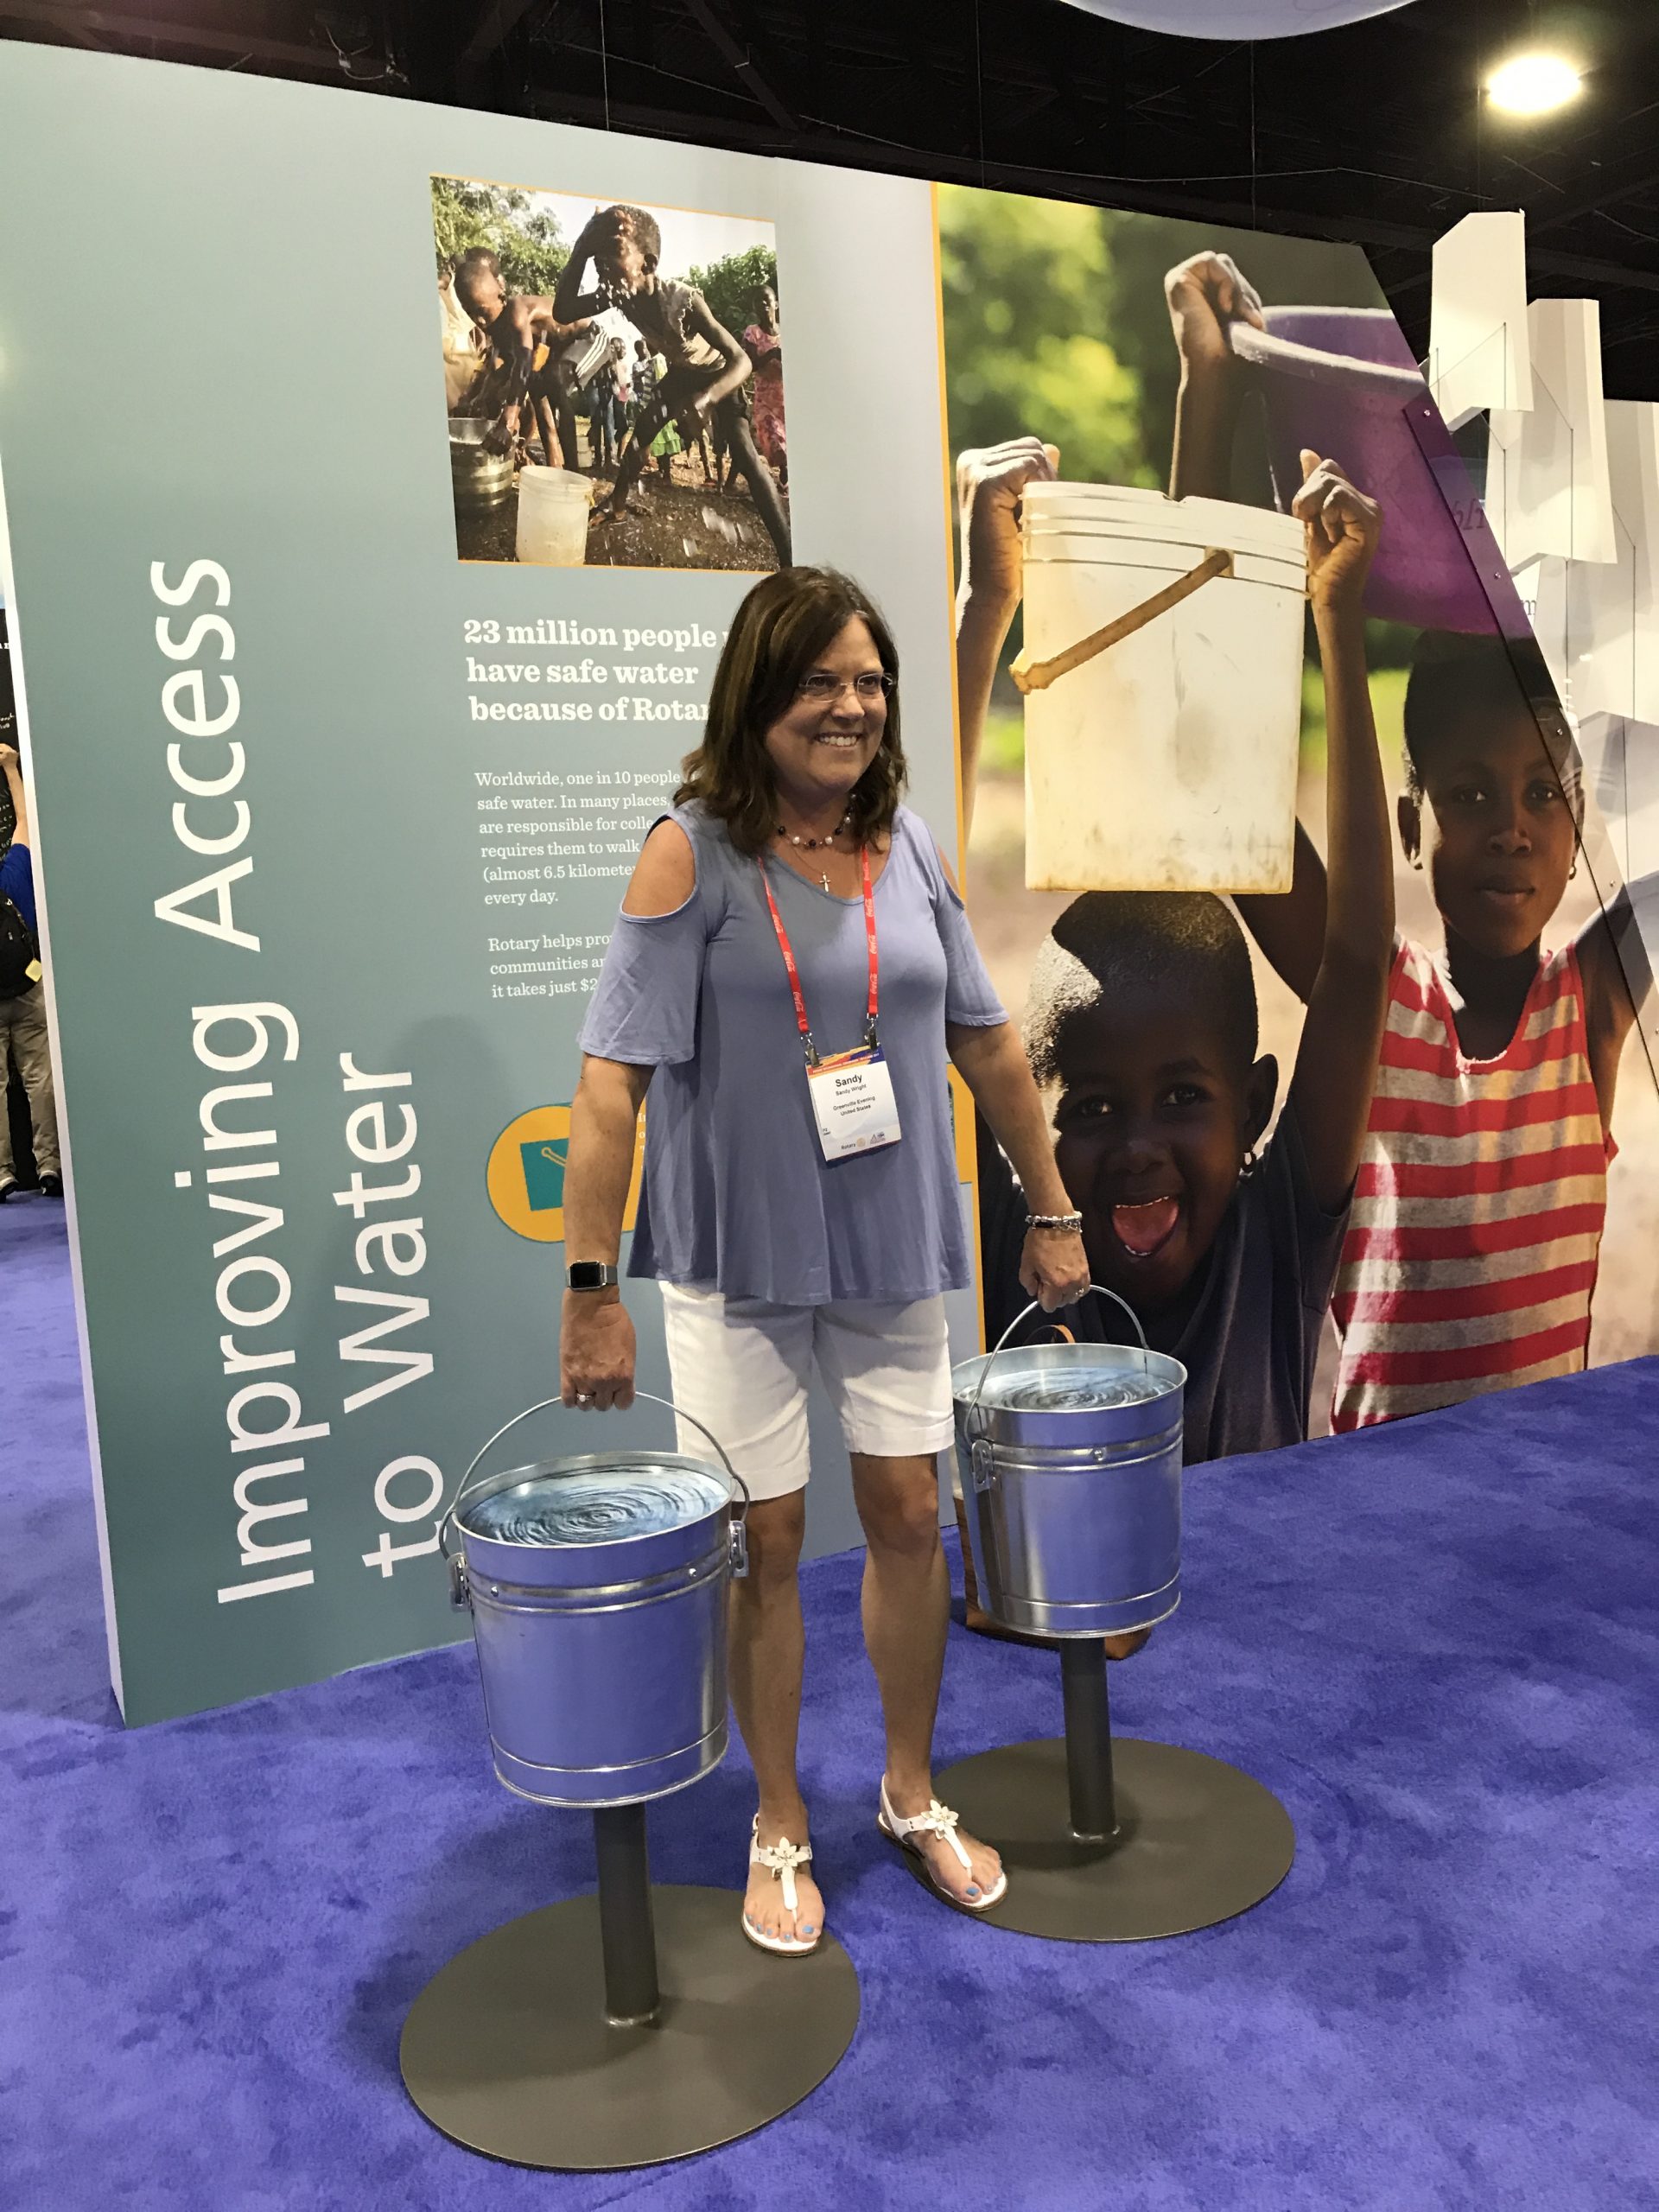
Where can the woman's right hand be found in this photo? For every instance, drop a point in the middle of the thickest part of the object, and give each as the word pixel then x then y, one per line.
pixel 596 1352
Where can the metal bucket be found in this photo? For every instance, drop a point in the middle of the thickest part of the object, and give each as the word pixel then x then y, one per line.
pixel 1070 1458
pixel 481 480
pixel 597 1587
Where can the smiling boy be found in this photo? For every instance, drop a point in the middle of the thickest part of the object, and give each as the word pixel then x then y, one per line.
pixel 1142 1025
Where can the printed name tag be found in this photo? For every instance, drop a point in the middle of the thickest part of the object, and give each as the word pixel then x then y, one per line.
pixel 852 1102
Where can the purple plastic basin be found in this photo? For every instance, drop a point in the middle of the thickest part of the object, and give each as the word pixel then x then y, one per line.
pixel 1338 380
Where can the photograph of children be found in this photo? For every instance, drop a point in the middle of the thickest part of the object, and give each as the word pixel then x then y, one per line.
pixel 602 409
pixel 1347 1150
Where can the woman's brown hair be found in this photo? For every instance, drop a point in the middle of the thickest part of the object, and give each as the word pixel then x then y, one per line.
pixel 777 636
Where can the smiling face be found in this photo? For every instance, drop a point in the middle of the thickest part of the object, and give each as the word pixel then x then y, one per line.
pixel 1501 832
pixel 830 733
pixel 1155 1114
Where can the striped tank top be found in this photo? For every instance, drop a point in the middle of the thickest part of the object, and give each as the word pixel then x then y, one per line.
pixel 1471 1252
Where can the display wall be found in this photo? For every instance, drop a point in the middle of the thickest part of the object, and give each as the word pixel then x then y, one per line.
pixel 323 905
pixel 336 796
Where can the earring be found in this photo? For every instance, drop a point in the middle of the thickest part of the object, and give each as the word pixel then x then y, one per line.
pixel 1572 871
pixel 1250 1164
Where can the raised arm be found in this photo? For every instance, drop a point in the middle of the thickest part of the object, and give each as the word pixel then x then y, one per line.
pixel 1342 1036
pixel 989 482
pixel 1204 294
pixel 1289 926
pixel 570 302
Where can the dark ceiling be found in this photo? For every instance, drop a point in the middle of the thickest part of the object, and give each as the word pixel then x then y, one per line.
pixel 1376 133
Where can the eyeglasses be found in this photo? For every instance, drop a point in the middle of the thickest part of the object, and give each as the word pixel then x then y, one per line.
pixel 823 689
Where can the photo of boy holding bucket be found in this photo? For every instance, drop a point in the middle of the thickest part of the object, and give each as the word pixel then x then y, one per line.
pixel 1471 1256
pixel 1142 1028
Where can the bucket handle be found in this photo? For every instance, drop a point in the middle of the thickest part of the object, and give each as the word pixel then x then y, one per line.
pixel 1037 675
pixel 739 1522
pixel 1100 1286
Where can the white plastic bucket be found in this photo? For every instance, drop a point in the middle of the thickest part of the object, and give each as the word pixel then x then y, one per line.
pixel 1166 762
pixel 553 506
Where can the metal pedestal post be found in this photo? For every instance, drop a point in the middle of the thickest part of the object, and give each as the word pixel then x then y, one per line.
pixel 1088 1741
pixel 627 1933
pixel 625 2028
pixel 1112 1841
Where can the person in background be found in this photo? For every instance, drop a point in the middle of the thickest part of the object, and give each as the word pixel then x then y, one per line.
pixel 24 1042
pixel 642 374
pixel 601 419
pixel 765 349
pixel 788 897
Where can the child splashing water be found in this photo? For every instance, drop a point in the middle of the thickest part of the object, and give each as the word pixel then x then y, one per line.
pixel 705 367
pixel 1142 1025
pixel 1470 1259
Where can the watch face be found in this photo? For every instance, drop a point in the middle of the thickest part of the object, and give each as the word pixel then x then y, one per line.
pixel 590 1274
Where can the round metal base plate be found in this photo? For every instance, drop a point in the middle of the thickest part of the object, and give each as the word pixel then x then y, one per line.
pixel 1198 1841
pixel 508 2048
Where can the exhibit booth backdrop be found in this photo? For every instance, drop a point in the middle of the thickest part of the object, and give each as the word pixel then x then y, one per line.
pixel 333 823
pixel 1058 327
pixel 323 902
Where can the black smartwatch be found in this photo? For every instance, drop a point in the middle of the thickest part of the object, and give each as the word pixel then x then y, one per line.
pixel 590 1274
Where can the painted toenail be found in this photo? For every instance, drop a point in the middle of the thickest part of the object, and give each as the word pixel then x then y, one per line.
pixel 811 1928
pixel 973 1889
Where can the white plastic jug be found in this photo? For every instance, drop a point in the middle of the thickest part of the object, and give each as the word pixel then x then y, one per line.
pixel 553 505
pixel 1166 761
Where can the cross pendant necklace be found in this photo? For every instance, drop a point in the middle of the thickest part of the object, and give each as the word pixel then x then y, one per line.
pixel 816 844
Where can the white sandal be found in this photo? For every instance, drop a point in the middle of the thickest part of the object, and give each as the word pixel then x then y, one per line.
pixel 782 1858
pixel 938 1820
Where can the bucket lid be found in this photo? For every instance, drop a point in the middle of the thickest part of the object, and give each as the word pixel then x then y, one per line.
pixel 603 1504
pixel 1133 511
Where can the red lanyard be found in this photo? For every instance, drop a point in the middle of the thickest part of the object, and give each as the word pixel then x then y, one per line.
pixel 783 946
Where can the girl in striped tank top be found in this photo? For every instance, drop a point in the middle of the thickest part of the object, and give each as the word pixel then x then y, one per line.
pixel 1470 1252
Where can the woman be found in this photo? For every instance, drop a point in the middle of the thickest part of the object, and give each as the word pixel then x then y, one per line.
pixel 788 908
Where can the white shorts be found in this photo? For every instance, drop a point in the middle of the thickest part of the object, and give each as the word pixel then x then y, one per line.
pixel 743 1366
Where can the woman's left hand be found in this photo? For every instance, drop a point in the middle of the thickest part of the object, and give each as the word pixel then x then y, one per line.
pixel 1054 1267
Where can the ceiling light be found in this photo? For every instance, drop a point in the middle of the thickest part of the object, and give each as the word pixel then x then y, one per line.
pixel 1532 84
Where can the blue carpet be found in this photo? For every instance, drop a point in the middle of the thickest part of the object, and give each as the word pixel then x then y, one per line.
pixel 1436 1642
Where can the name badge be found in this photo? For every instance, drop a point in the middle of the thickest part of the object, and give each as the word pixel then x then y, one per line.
pixel 852 1102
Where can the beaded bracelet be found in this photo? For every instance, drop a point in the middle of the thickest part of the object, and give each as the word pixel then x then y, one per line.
pixel 1053 1221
